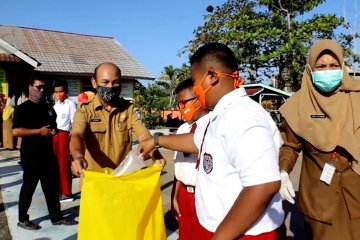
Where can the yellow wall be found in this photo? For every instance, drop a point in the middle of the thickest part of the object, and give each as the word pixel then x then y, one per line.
pixel 4 85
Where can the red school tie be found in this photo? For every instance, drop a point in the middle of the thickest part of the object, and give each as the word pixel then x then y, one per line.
pixel 193 127
pixel 192 130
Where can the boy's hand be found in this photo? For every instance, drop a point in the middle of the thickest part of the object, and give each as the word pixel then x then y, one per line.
pixel 146 146
pixel 175 208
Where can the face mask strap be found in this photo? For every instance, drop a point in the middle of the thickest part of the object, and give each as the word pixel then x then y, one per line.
pixel 238 80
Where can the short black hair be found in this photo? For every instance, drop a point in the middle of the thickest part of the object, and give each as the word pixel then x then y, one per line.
pixel 36 76
pixel 104 63
pixel 215 54
pixel 61 83
pixel 187 83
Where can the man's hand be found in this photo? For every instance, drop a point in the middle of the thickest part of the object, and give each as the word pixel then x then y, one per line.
pixel 78 165
pixel 146 146
pixel 158 158
pixel 161 162
pixel 286 189
pixel 46 131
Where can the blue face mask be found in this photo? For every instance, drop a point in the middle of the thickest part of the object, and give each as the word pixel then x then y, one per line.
pixel 108 93
pixel 327 80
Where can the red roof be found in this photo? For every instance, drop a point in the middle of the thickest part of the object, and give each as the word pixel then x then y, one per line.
pixel 253 91
pixel 72 52
pixel 9 58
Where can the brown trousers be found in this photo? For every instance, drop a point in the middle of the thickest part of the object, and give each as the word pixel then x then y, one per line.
pixel 342 227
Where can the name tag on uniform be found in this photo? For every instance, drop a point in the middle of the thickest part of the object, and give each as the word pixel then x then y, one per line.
pixel 318 116
pixel 327 173
pixel 95 120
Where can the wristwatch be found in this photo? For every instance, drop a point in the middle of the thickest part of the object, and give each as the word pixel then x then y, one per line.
pixel 156 139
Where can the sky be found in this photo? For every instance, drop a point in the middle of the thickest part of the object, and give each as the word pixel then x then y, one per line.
pixel 151 31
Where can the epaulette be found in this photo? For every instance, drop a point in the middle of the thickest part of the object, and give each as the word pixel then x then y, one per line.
pixel 85 103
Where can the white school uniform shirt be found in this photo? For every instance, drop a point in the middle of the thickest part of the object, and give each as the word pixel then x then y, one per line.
pixel 185 166
pixel 65 112
pixel 240 149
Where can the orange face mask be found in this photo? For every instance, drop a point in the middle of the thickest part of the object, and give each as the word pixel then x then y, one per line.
pixel 60 96
pixel 201 93
pixel 187 109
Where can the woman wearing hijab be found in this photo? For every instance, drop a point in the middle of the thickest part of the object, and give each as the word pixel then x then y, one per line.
pixel 8 115
pixel 322 120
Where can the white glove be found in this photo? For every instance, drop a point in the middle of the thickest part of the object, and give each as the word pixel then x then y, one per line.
pixel 286 189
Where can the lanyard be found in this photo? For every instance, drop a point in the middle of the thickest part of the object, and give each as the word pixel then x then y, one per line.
pixel 192 130
pixel 199 155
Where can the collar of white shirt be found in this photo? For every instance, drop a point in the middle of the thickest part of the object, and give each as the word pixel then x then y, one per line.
pixel 226 100
pixel 65 101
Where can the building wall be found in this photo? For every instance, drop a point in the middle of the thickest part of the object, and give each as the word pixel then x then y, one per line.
pixel 79 84
pixel 17 77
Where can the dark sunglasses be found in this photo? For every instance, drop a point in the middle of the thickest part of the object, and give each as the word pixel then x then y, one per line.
pixel 183 103
pixel 40 87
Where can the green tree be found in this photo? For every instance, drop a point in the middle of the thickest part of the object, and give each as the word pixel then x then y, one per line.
pixel 297 36
pixel 268 37
pixel 171 77
pixel 160 95
pixel 150 102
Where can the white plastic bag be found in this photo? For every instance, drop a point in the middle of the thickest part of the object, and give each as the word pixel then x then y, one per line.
pixel 132 163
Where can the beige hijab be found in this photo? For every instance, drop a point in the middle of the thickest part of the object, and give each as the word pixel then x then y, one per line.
pixel 8 110
pixel 305 110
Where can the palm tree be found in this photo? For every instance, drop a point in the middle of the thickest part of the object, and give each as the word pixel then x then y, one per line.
pixel 171 77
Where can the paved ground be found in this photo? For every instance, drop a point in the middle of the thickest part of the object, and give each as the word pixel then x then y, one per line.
pixel 10 182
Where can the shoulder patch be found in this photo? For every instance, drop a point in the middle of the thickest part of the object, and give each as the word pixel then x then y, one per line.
pixel 84 104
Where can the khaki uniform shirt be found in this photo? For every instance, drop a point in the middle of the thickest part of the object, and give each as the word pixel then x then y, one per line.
pixel 107 135
pixel 318 200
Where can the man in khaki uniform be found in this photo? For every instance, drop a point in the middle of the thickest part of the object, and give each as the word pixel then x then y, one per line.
pixel 101 135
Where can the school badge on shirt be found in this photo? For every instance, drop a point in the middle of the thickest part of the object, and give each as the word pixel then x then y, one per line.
pixel 208 163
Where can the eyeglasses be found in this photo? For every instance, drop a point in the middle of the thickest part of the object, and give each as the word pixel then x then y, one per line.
pixel 183 103
pixel 40 87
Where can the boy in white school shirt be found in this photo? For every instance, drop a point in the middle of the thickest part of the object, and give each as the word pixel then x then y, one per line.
pixel 239 179
pixel 184 187
pixel 65 110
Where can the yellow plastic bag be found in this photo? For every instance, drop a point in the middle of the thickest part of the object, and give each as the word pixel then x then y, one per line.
pixel 122 207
